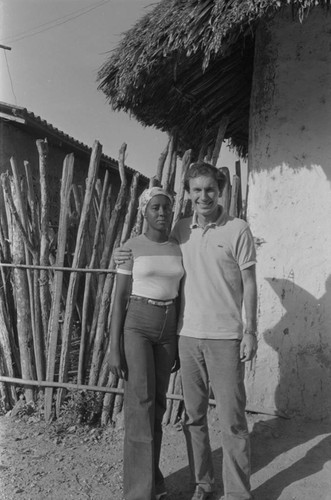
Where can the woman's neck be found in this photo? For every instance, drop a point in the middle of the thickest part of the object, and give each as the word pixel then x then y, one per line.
pixel 157 236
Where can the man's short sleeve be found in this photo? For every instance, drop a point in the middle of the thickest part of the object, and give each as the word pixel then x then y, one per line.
pixel 245 250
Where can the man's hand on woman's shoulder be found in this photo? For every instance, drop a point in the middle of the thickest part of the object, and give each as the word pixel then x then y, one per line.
pixel 121 255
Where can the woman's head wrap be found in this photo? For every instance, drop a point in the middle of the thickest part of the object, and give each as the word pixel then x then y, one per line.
pixel 148 194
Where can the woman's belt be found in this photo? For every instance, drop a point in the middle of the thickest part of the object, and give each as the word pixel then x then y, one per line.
pixel 160 303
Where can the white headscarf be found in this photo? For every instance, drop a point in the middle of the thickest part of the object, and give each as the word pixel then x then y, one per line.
pixel 148 194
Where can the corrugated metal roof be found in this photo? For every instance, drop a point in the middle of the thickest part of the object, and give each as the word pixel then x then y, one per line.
pixel 23 117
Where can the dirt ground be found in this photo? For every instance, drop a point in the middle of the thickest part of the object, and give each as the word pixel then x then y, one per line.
pixel 291 460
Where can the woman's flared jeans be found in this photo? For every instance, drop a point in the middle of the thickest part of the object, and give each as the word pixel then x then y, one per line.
pixel 150 347
pixel 217 362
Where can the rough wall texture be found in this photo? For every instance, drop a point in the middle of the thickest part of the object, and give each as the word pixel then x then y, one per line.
pixel 289 210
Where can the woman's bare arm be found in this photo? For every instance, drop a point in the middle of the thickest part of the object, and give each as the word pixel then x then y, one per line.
pixel 122 293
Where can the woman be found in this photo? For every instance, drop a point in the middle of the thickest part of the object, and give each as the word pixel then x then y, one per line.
pixel 144 342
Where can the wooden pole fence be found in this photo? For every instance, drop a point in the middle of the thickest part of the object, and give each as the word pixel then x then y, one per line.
pixel 91 224
pixel 116 390
pixel 66 385
pixel 58 268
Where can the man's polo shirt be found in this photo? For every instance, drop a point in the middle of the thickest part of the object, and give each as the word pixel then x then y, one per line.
pixel 212 290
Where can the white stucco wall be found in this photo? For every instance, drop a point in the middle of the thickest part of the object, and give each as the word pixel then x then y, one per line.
pixel 289 211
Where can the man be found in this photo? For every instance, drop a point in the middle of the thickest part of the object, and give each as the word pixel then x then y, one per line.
pixel 219 262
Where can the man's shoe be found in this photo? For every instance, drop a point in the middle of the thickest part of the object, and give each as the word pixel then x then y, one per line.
pixel 201 494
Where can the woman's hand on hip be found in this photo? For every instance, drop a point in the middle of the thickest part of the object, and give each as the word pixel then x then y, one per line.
pixel 117 364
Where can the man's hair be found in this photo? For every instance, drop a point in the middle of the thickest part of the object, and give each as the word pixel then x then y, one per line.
pixel 203 169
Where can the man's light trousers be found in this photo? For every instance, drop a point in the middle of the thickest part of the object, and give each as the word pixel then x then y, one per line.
pixel 216 362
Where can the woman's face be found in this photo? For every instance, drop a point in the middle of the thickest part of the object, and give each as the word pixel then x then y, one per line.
pixel 158 212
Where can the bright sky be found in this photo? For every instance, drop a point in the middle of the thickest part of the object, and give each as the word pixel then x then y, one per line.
pixel 57 47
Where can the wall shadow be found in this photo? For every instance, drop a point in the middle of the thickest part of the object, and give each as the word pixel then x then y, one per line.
pixel 294 469
pixel 301 340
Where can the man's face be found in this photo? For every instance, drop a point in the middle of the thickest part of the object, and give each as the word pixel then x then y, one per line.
pixel 204 193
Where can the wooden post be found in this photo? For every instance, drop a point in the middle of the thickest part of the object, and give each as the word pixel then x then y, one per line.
pixel 153 182
pixel 78 201
pixel 225 198
pixel 102 339
pixel 132 208
pixel 6 293
pixel 208 157
pixel 137 228
pixel 73 282
pixel 219 139
pixel 6 360
pixel 107 211
pixel 167 413
pixel 187 208
pixel 3 254
pixel 39 337
pixel 239 199
pixel 104 292
pixel 203 148
pixel 12 207
pixel 234 196
pixel 244 215
pixel 171 187
pixel 81 360
pixel 4 237
pixel 45 299
pixel 181 192
pixel 170 162
pixel 77 198
pixel 21 291
pixel 31 197
pixel 177 404
pixel 53 329
pixel 104 370
pixel 107 249
pixel 108 402
pixel 16 226
pixel 32 277
pixel 118 402
pixel 161 163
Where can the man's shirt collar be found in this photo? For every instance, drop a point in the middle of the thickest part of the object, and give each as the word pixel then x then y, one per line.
pixel 218 222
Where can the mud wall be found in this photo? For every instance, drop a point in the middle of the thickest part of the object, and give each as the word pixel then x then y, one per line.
pixel 289 210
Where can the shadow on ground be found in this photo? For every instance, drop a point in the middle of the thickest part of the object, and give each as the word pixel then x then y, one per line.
pixel 291 460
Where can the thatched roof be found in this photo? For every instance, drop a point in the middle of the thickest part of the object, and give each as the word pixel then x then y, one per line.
pixel 189 62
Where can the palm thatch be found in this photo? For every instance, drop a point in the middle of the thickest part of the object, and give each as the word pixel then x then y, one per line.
pixel 187 63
